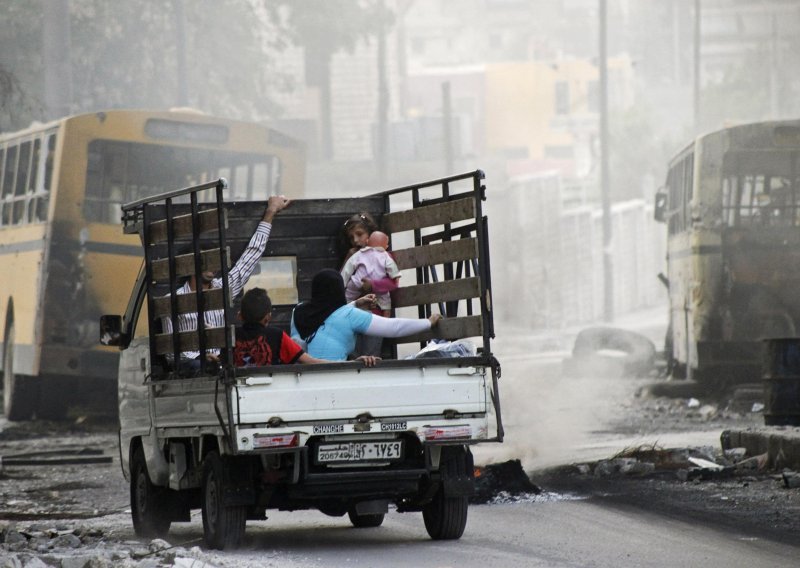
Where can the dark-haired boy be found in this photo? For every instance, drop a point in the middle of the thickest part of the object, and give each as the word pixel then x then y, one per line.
pixel 257 344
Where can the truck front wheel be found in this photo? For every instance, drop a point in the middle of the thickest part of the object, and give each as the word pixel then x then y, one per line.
pixel 446 517
pixel 223 525
pixel 147 501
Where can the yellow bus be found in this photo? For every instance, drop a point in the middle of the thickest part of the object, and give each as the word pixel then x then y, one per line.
pixel 732 210
pixel 65 261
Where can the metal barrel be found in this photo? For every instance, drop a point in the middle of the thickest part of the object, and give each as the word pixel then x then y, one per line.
pixel 781 374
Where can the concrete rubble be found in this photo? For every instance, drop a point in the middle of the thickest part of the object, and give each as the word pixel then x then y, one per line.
pixel 690 464
pixel 56 545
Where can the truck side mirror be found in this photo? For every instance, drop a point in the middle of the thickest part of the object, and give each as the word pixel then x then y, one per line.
pixel 111 330
pixel 660 206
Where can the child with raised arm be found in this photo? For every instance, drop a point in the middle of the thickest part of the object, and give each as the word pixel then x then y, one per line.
pixel 371 262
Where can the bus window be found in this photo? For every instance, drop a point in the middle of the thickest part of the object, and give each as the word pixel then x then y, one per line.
pixel 48 165
pixel 23 169
pixel 9 171
pixel 2 168
pixel 241 187
pixel 760 188
pixel 260 180
pixel 33 178
pixel 119 172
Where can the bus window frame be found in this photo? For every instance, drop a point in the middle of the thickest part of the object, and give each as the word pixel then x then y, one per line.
pixel 24 195
pixel 97 199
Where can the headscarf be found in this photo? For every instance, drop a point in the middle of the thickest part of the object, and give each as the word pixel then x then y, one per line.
pixel 327 296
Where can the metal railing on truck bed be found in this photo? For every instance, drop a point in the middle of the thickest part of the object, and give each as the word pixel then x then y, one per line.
pixel 439 240
pixel 173 234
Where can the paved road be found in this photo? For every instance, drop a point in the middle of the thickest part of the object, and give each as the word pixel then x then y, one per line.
pixel 557 533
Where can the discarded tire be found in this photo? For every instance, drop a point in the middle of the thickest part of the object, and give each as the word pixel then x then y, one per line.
pixel 611 351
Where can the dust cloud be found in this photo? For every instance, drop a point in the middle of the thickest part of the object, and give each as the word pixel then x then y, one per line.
pixel 554 415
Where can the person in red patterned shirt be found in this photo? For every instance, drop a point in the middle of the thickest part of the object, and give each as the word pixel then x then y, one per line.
pixel 257 344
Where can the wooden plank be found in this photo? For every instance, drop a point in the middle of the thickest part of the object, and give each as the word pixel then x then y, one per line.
pixel 188 303
pixel 449 329
pixel 184 264
pixel 208 220
pixel 436 292
pixel 190 340
pixel 430 215
pixel 449 251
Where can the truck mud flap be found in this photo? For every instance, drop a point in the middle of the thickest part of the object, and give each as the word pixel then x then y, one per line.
pixel 463 485
pixel 238 487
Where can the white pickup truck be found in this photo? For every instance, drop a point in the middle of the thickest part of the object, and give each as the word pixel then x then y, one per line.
pixel 339 437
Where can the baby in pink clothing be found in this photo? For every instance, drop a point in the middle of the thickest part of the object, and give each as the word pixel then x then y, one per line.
pixel 373 262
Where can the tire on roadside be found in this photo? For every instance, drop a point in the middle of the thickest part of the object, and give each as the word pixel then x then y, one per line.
pixel 446 516
pixel 223 525
pixel 148 501
pixel 634 354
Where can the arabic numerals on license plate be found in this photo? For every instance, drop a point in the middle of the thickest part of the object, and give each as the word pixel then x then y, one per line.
pixel 357 451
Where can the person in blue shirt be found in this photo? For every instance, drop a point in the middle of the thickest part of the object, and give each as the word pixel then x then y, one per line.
pixel 327 325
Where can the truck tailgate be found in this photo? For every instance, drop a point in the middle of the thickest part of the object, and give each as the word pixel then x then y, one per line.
pixel 411 390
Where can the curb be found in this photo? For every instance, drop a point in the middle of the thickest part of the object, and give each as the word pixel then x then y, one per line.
pixel 780 443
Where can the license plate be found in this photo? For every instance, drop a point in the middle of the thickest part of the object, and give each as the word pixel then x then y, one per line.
pixel 360 451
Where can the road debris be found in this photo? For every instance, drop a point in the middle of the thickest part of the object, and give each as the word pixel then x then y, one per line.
pixel 83 546
pixel 506 478
pixel 82 456
pixel 791 479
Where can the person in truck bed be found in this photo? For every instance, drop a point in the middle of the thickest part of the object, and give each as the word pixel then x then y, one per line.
pixel 257 344
pixel 238 276
pixel 356 232
pixel 327 325
pixel 373 261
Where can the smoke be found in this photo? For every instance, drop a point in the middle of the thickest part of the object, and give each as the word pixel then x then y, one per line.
pixel 555 414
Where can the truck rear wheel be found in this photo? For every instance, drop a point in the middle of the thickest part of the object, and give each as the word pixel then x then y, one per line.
pixel 223 526
pixel 446 517
pixel 147 501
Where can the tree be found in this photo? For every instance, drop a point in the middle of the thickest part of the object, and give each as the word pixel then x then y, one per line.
pixel 124 55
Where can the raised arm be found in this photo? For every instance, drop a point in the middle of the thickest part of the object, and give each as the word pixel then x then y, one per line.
pixel 240 273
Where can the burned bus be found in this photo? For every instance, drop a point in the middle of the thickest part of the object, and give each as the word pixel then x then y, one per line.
pixel 732 211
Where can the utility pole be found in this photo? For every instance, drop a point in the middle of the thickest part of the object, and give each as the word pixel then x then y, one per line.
pixel 774 51
pixel 383 99
pixel 56 43
pixel 696 84
pixel 605 186
pixel 180 50
pixel 447 128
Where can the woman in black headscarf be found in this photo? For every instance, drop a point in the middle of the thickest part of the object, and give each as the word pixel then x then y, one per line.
pixel 327 325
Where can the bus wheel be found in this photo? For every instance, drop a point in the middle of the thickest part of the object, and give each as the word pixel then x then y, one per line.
pixel 19 392
pixel 223 525
pixel 147 501
pixel 446 517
